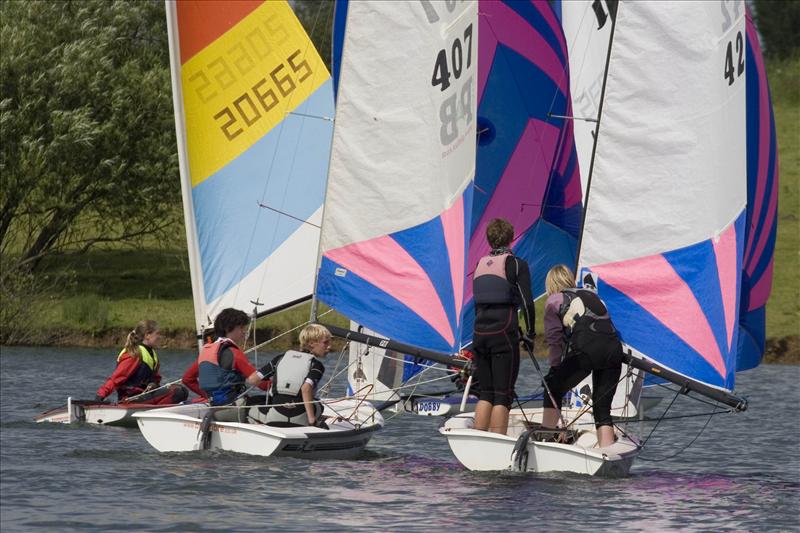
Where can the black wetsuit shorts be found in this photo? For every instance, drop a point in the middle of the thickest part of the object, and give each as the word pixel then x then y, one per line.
pixel 495 343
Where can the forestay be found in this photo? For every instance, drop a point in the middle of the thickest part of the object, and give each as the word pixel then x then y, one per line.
pixel 665 209
pixel 253 105
pixel 398 201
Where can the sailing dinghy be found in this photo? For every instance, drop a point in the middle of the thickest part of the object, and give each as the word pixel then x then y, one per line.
pixel 663 234
pixel 95 413
pixel 253 105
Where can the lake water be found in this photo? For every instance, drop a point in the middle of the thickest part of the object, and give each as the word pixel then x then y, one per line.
pixel 742 473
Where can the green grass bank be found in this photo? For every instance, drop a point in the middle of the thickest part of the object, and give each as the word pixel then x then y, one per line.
pixel 99 296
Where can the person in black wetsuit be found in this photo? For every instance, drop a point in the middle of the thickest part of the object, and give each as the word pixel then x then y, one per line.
pixel 501 285
pixel 593 346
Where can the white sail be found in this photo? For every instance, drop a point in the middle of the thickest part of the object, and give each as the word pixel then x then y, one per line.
pixel 670 164
pixel 397 207
pixel 587 28
pixel 664 215
pixel 404 146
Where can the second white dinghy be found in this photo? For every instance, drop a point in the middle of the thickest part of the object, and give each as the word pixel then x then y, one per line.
pixel 518 449
pixel 187 428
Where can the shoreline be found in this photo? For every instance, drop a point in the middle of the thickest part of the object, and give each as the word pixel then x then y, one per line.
pixel 779 350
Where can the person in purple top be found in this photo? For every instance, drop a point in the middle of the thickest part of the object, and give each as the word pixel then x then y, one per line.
pixel 559 277
pixel 581 339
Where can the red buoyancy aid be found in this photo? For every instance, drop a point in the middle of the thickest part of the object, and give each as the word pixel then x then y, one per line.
pixel 219 383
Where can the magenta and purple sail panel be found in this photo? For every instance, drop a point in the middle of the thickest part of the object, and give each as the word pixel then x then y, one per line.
pixel 527 167
pixel 762 206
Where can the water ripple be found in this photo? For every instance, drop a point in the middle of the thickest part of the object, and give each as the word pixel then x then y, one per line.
pixel 742 473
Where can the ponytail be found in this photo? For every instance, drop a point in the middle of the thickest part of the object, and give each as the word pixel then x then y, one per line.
pixel 136 336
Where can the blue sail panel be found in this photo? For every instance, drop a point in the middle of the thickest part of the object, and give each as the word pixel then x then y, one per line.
pixel 407 285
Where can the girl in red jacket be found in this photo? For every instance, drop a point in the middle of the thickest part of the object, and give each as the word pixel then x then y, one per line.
pixel 138 370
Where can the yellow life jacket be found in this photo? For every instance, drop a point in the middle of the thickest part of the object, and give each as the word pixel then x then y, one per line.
pixel 150 360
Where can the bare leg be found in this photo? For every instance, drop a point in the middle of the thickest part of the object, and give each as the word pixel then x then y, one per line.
pixel 605 436
pixel 550 417
pixel 483 413
pixel 499 419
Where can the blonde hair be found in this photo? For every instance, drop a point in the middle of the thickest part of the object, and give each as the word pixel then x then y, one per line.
pixel 311 334
pixel 136 336
pixel 558 278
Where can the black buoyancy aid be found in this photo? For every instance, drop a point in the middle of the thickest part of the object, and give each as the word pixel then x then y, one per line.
pixel 583 308
pixel 490 285
pixel 219 383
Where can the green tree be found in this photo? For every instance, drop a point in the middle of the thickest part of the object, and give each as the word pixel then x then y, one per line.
pixel 316 16
pixel 778 22
pixel 88 142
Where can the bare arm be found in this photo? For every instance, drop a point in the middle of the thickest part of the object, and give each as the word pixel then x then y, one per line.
pixel 255 378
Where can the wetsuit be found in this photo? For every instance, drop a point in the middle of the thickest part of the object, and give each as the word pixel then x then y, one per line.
pixel 502 283
pixel 593 346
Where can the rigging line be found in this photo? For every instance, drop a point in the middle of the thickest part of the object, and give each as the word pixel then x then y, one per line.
pixel 586 119
pixel 325 389
pixel 695 415
pixel 284 213
pixel 425 367
pixel 589 402
pixel 660 419
pixel 702 429
pixel 273 339
pixel 306 115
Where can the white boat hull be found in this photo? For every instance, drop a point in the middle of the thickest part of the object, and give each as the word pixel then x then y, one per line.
pixel 96 413
pixel 482 450
pixel 177 429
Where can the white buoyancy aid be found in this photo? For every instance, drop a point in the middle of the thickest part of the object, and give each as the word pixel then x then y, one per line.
pixel 291 372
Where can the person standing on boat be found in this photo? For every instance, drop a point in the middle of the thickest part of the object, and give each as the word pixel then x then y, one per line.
pixel 137 370
pixel 295 376
pixel 222 368
pixel 577 323
pixel 501 285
